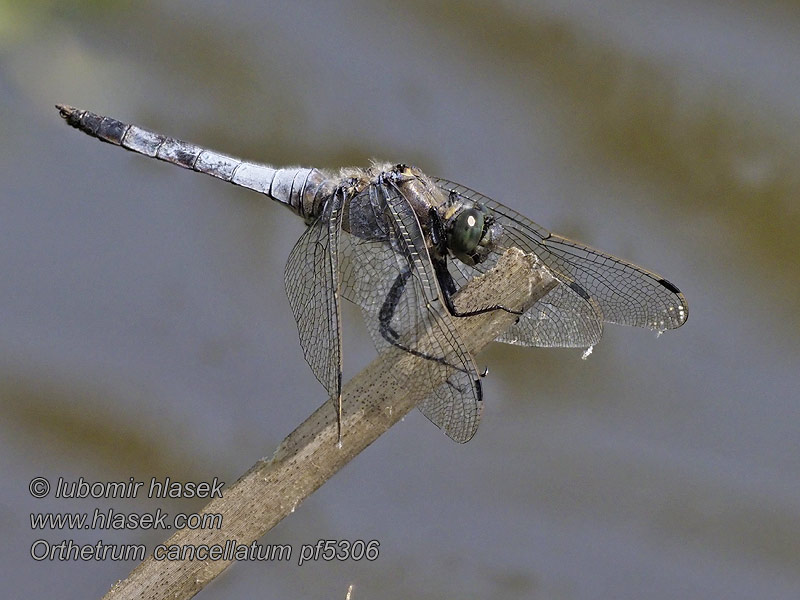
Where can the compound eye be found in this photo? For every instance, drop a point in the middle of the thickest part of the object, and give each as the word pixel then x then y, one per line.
pixel 466 232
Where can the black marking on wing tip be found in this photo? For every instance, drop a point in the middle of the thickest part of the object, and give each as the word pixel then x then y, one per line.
pixel 579 290
pixel 671 287
pixel 479 398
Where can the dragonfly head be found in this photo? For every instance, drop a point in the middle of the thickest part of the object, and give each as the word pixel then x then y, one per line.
pixel 471 231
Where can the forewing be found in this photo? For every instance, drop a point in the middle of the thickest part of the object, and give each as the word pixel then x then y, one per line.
pixel 312 287
pixel 388 272
pixel 625 293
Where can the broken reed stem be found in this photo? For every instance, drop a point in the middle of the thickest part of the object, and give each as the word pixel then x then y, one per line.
pixel 309 456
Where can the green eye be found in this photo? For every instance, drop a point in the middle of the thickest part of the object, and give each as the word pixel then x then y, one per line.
pixel 466 231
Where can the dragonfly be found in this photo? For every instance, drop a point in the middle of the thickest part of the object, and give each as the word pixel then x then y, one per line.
pixel 400 244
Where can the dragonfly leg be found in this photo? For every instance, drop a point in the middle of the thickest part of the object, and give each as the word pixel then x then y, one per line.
pixel 448 287
pixel 387 313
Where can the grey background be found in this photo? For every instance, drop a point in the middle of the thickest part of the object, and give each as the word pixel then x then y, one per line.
pixel 144 329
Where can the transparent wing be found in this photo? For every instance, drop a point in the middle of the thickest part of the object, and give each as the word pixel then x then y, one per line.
pixel 559 320
pixel 455 407
pixel 565 318
pixel 387 271
pixel 312 285
pixel 625 293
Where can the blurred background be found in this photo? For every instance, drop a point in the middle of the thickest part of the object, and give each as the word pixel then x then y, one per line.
pixel 144 329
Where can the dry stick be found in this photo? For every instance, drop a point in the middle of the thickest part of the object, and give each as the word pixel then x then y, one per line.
pixel 309 456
